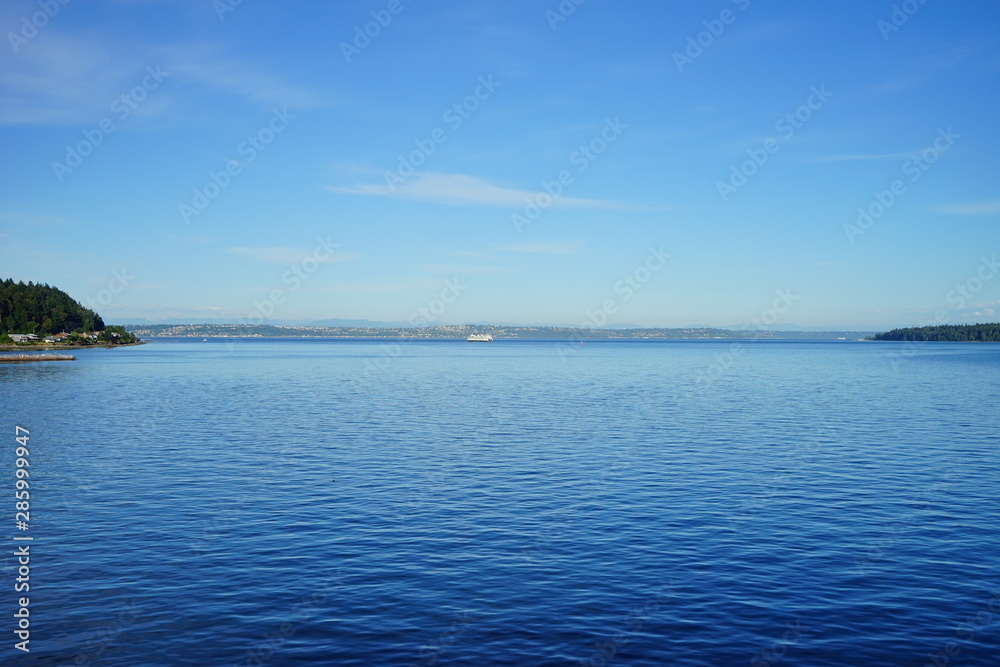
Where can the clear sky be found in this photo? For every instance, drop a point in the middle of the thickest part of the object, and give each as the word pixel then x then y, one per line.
pixel 644 162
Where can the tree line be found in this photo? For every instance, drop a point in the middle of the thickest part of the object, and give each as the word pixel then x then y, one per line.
pixel 43 310
pixel 986 333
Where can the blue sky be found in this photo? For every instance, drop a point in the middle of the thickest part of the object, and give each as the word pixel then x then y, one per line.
pixel 706 162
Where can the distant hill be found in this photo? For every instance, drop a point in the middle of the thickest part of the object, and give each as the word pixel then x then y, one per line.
pixel 43 310
pixel 336 322
pixel 961 333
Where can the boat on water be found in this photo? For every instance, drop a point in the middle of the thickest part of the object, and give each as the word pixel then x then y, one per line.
pixel 480 338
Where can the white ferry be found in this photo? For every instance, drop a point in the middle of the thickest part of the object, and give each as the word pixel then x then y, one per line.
pixel 480 338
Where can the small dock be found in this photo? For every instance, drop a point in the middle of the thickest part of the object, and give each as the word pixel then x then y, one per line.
pixel 23 358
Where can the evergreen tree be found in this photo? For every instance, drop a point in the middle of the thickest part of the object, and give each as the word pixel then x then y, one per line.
pixel 42 310
pixel 986 333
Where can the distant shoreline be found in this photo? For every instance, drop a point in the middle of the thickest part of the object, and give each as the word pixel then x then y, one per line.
pixel 461 332
pixel 46 347
pixel 389 337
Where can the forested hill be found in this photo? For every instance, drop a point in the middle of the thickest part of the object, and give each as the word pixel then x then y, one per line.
pixel 42 310
pixel 946 332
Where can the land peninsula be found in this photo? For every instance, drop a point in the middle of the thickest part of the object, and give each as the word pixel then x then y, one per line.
pixel 956 333
pixel 37 317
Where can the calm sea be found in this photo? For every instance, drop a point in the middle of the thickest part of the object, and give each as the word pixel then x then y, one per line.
pixel 318 502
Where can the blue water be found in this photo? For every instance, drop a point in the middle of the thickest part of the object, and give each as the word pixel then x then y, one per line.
pixel 290 502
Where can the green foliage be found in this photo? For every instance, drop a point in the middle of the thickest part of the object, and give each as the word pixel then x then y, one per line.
pixel 989 333
pixel 42 310
pixel 116 334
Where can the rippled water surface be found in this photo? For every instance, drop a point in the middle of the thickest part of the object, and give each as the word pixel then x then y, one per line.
pixel 291 502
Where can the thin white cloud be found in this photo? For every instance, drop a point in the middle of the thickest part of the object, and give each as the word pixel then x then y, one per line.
pixel 55 80
pixel 23 220
pixel 462 189
pixel 970 208
pixel 563 248
pixel 460 269
pixel 211 66
pixel 409 285
pixel 472 254
pixel 897 85
pixel 928 65
pixel 286 255
pixel 62 79
pixel 849 157
pixel 156 313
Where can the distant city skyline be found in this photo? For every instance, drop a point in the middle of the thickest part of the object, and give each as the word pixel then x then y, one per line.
pixel 820 165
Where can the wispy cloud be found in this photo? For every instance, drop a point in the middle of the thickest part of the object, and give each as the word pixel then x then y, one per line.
pixel 286 255
pixel 557 248
pixel 211 66
pixel 929 65
pixel 23 220
pixel 413 284
pixel 471 254
pixel 462 189
pixel 61 79
pixel 460 269
pixel 897 84
pixel 849 157
pixel 159 313
pixel 970 208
